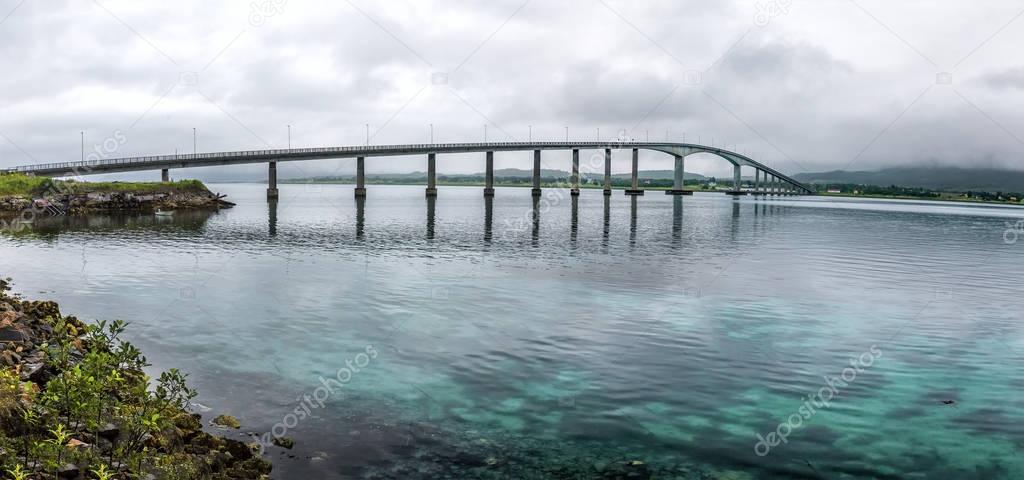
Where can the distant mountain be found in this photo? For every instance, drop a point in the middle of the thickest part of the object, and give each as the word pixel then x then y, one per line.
pixel 643 174
pixel 659 175
pixel 946 179
pixel 520 173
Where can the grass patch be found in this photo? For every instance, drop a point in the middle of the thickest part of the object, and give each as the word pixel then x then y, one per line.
pixel 22 185
pixel 17 184
pixel 71 186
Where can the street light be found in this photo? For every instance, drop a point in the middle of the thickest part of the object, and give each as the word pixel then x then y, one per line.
pixel 289 137
pixel 485 133
pixel 194 149
pixel 531 133
pixel 566 133
pixel 83 145
pixel 431 133
pixel 367 134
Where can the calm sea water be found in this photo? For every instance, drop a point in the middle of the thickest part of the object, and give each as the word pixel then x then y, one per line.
pixel 467 339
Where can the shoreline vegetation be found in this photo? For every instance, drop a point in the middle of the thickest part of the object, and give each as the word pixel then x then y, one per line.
pixel 894 192
pixel 944 198
pixel 76 404
pixel 30 196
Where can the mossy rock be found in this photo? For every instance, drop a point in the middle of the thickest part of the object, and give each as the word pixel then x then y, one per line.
pixel 227 421
pixel 284 442
pixel 43 310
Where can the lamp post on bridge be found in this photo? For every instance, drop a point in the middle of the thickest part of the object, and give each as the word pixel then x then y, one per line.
pixel 194 149
pixel 289 137
pixel 531 133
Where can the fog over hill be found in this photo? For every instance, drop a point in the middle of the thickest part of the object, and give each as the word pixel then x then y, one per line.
pixel 933 178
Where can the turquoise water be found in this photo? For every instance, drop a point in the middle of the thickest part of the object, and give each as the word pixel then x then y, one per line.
pixel 656 337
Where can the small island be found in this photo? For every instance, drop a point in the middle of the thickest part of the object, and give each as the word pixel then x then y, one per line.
pixel 30 196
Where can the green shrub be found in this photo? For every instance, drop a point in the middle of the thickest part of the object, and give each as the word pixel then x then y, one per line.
pixel 17 184
pixel 96 380
pixel 22 185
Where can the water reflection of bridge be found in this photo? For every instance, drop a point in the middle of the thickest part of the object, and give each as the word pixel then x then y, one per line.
pixel 533 225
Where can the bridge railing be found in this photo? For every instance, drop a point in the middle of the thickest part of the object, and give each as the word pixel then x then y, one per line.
pixel 162 160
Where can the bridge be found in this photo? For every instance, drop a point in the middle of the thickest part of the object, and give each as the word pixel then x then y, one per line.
pixel 767 181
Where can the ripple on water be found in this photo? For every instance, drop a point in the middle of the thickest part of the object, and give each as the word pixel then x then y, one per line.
pixel 540 347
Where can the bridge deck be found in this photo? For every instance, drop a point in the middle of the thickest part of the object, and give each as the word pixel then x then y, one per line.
pixel 162 162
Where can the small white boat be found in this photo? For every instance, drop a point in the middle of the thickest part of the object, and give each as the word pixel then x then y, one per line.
pixel 163 213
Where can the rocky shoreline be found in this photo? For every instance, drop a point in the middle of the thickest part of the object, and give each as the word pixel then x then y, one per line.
pixel 61 197
pixel 75 404
pixel 115 201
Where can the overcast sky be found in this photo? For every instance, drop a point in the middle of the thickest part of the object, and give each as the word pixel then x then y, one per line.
pixel 802 85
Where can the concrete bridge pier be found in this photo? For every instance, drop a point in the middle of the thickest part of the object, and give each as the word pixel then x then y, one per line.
pixel 165 175
pixel 757 181
pixel 272 193
pixel 575 190
pixel 679 179
pixel 431 174
pixel 489 176
pixel 361 176
pixel 737 182
pixel 536 173
pixel 607 171
pixel 635 188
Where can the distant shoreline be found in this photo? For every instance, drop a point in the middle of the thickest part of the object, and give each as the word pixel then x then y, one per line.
pixel 923 199
pixel 653 188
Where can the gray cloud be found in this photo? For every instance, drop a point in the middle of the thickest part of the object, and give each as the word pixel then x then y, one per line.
pixel 1006 79
pixel 821 86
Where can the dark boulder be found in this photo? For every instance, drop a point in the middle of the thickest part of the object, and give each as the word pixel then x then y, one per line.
pixel 69 471
pixel 14 333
